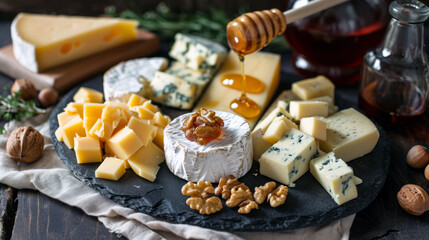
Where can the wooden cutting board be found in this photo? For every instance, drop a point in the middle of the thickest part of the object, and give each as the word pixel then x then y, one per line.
pixel 65 76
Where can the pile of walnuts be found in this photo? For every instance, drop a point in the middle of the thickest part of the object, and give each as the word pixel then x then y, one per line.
pixel 236 194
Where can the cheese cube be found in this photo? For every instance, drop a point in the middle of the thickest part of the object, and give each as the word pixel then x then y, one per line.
pixel 147 172
pixel 71 129
pixel 59 135
pixel 148 155
pixel 74 108
pixel 111 168
pixel 159 137
pixel 144 113
pixel 331 106
pixel 261 65
pixel 335 176
pixel 302 109
pixel 87 149
pixel 102 129
pixel 149 106
pixel 197 53
pixel 45 41
pixel 87 95
pixel 93 110
pixel 88 123
pixel 135 100
pixel 314 87
pixel 124 143
pixel 285 96
pixel 314 127
pixel 275 131
pixel 259 144
pixel 276 112
pixel 161 120
pixel 289 158
pixel 173 91
pixel 349 134
pixel 143 128
pixel 64 118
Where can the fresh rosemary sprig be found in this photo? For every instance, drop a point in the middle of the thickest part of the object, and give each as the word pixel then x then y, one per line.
pixel 210 25
pixel 12 107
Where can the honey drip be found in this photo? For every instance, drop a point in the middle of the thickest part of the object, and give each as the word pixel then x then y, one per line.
pixel 243 105
pixel 235 81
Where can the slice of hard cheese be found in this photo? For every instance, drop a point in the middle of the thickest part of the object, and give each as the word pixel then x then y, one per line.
pixel 349 134
pixel 44 41
pixel 263 66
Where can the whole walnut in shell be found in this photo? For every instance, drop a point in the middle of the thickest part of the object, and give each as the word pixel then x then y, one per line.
pixel 25 144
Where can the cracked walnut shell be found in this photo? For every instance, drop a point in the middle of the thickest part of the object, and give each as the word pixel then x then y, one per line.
pixel 25 144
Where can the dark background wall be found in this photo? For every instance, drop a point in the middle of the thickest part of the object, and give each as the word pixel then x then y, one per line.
pixel 9 8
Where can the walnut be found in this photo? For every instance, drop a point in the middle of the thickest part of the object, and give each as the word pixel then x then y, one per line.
pixel 413 199
pixel 226 184
pixel 25 144
pixel 247 206
pixel 202 126
pixel 262 192
pixel 238 195
pixel 278 196
pixel 28 91
pixel 200 197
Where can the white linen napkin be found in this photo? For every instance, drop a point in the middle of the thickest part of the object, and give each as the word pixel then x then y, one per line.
pixel 51 177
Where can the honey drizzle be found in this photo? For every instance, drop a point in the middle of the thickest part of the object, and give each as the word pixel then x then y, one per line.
pixel 243 105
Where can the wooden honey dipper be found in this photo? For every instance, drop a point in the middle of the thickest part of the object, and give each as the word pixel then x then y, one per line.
pixel 254 30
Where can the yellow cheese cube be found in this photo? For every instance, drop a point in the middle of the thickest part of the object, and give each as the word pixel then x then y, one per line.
pixel 146 160
pixel 64 118
pixel 126 164
pixel 302 109
pixel 124 143
pixel 260 145
pixel 275 131
pixel 93 110
pixel 87 149
pixel 143 128
pixel 71 129
pixel 111 168
pixel 136 100
pixel 161 120
pixel 314 127
pixel 88 123
pixel 314 87
pixel 87 95
pixel 144 113
pixel 159 138
pixel 277 111
pixel 58 134
pixel 74 108
pixel 149 106
pixel 102 129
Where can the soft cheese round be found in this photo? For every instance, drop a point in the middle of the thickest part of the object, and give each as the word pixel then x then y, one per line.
pixel 231 154
pixel 130 77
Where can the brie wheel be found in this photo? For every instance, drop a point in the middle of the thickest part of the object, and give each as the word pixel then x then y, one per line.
pixel 230 154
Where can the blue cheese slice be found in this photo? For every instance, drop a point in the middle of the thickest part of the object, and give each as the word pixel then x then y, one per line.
pixel 131 77
pixel 349 134
pixel 336 177
pixel 289 158
pixel 199 79
pixel 198 53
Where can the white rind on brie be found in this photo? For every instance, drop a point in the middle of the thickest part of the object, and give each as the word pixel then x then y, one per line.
pixel 24 52
pixel 131 77
pixel 231 154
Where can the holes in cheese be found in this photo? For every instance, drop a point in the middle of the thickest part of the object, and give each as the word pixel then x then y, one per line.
pixel 113 33
pixel 66 48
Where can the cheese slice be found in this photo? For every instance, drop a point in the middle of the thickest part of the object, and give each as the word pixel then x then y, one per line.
pixel 335 176
pixel 41 42
pixel 261 65
pixel 127 78
pixel 349 134
pixel 289 158
pixel 231 154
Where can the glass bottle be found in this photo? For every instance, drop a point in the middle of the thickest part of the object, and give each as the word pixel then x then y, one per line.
pixel 395 76
pixel 333 42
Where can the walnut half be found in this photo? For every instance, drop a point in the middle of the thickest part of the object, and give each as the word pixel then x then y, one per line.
pixel 262 192
pixel 226 184
pixel 200 197
pixel 278 196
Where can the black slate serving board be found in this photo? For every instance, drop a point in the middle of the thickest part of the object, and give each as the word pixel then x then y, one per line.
pixel 306 204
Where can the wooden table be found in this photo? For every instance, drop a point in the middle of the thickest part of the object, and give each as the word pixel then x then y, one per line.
pixel 28 214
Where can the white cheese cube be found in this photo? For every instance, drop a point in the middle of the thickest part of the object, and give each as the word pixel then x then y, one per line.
pixel 276 112
pixel 349 134
pixel 259 144
pixel 314 87
pixel 335 176
pixel 331 106
pixel 302 109
pixel 275 131
pixel 289 158
pixel 314 127
pixel 198 53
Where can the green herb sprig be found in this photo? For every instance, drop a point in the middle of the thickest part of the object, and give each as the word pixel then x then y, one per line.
pixel 210 24
pixel 12 107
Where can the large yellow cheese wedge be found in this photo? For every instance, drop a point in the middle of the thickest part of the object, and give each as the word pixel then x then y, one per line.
pixel 41 42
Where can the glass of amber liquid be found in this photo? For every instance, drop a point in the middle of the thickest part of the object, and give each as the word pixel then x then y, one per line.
pixel 395 75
